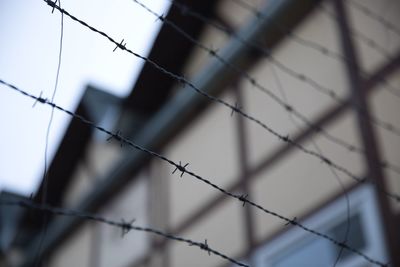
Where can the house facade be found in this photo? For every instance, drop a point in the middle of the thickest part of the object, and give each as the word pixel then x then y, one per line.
pixel 298 113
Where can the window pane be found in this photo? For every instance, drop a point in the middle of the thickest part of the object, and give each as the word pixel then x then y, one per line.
pixel 356 238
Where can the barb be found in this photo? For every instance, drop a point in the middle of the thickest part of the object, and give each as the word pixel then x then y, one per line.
pixel 124 226
pixel 289 223
pixel 39 99
pixel 121 45
pixel 204 246
pixel 243 198
pixel 303 78
pixel 181 168
pixel 117 136
pixel 235 109
pixel 55 2
pixel 200 178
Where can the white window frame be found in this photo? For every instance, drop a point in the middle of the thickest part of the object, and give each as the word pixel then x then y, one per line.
pixel 362 201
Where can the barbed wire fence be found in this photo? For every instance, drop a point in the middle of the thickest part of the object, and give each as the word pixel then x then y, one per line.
pixel 122 224
pixel 232 107
pixel 182 168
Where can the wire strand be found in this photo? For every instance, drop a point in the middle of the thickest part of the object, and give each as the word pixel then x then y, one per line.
pixel 184 170
pixel 234 108
pixel 45 172
pixel 123 225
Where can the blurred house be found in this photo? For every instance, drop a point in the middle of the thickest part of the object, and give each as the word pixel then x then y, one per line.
pixel 332 61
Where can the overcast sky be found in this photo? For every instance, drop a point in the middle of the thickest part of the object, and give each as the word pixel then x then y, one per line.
pixel 29 46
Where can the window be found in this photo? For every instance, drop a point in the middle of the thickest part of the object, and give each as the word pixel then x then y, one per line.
pixel 297 247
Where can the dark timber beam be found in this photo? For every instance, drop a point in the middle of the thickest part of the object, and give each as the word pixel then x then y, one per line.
pixel 369 141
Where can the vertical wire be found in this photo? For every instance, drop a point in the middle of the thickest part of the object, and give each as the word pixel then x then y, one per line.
pixel 43 231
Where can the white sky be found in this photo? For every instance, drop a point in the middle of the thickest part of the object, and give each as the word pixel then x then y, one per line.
pixel 28 59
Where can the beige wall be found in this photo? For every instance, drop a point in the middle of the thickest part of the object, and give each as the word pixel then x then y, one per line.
pixel 209 146
pixel 75 251
pixel 132 203
pixel 224 231
pixel 386 39
pixel 100 158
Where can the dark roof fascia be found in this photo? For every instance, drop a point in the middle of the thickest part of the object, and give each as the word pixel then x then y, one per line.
pixel 9 216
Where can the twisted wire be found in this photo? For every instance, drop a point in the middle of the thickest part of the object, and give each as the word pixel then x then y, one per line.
pixel 123 225
pixel 183 169
pixel 233 108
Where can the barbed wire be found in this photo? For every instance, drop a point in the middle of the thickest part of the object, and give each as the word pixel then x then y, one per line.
pixel 375 16
pixel 234 108
pixel 329 53
pixel 287 107
pixel 182 168
pixel 125 226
